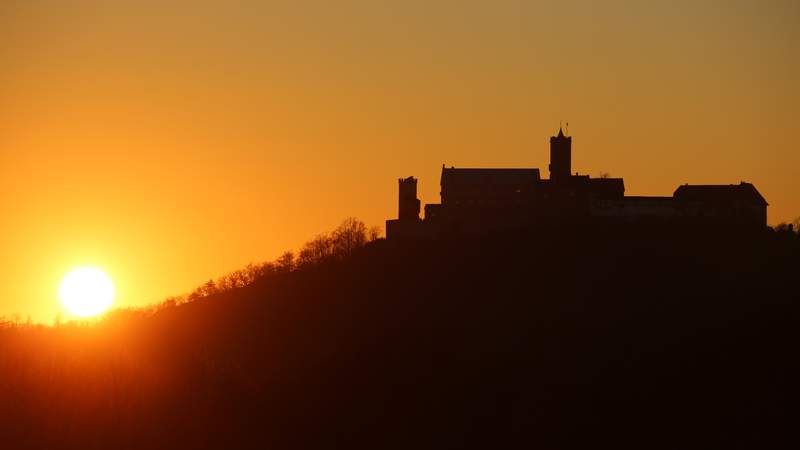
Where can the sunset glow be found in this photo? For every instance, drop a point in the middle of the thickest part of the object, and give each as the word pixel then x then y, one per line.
pixel 170 144
pixel 414 223
pixel 86 292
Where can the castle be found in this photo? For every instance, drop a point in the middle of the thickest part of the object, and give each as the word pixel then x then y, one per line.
pixel 477 201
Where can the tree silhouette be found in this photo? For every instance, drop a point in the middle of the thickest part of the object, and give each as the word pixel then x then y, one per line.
pixel 375 231
pixel 670 333
pixel 350 235
pixel 285 263
pixel 316 250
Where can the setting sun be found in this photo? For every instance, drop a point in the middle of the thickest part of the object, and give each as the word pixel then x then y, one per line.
pixel 86 292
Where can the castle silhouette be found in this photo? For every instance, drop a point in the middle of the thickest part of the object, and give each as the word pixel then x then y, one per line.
pixel 477 201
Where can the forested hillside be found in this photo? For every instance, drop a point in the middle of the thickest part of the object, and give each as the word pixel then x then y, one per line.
pixel 565 337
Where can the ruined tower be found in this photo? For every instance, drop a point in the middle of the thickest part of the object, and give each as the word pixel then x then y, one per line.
pixel 560 157
pixel 408 201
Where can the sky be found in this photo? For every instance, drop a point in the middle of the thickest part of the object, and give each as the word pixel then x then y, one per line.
pixel 172 142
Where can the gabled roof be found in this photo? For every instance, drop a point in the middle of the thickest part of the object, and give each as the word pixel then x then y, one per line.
pixel 459 176
pixel 720 193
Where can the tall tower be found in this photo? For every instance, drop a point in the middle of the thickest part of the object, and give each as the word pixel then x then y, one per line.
pixel 560 157
pixel 408 201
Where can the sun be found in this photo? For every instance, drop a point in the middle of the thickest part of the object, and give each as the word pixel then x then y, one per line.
pixel 86 292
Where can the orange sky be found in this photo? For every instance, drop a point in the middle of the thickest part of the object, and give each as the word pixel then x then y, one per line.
pixel 171 144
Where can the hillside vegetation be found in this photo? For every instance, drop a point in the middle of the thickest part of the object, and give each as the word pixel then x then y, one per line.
pixel 552 338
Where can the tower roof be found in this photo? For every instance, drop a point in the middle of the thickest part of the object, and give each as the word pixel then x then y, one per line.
pixel 560 136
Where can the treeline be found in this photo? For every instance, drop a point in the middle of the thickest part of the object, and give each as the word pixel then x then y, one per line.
pixel 338 244
pixel 560 337
pixel 328 247
pixel 788 229
pixel 335 245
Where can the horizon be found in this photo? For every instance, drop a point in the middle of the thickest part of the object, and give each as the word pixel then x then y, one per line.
pixel 170 144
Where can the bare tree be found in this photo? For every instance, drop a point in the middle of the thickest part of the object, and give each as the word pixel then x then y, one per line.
pixel 350 235
pixel 209 288
pixel 255 271
pixel 316 250
pixel 374 233
pixel 285 263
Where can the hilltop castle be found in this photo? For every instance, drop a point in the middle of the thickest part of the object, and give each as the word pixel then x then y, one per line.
pixel 476 201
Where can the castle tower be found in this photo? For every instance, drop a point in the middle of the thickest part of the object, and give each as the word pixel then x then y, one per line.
pixel 408 201
pixel 560 157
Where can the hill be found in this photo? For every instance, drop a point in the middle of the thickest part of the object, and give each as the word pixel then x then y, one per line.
pixel 553 338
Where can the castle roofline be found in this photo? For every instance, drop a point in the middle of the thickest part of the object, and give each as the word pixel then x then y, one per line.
pixel 494 176
pixel 719 192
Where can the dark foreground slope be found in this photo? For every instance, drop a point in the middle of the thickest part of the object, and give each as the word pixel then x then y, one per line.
pixel 556 339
